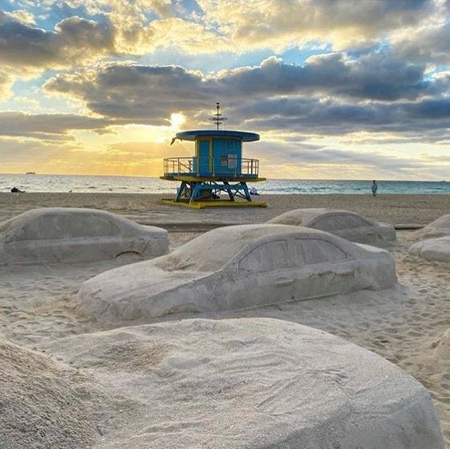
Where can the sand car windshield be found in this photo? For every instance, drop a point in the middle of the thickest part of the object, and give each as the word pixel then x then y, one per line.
pixel 211 251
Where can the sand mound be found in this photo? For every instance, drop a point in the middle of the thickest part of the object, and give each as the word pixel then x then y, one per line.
pixel 437 228
pixel 76 235
pixel 343 223
pixel 433 249
pixel 253 383
pixel 44 404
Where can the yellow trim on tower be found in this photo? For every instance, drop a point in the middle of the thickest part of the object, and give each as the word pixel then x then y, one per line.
pixel 211 203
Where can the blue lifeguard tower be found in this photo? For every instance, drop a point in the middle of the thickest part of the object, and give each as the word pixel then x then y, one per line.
pixel 217 168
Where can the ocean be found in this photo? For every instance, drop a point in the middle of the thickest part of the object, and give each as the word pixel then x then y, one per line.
pixel 131 184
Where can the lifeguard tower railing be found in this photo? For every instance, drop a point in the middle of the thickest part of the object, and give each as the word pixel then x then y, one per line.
pixel 224 167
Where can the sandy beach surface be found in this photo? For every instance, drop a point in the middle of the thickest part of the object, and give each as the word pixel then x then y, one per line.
pixel 408 326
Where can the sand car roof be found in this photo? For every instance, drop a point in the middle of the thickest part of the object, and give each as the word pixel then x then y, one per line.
pixel 306 217
pixel 65 222
pixel 212 250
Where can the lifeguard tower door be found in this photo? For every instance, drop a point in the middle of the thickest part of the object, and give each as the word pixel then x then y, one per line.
pixel 203 157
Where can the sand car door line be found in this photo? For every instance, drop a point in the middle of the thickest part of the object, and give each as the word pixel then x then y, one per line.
pixel 324 269
pixel 284 281
pixel 278 285
pixel 324 279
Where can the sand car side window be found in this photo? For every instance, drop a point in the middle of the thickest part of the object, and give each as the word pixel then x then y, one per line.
pixel 61 227
pixel 340 222
pixel 43 228
pixel 92 226
pixel 313 251
pixel 266 257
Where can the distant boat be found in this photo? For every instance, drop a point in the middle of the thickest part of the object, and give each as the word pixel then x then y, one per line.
pixel 30 173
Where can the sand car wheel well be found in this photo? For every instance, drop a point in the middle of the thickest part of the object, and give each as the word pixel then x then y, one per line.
pixel 129 256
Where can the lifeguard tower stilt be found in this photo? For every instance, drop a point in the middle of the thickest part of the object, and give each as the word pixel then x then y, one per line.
pixel 217 168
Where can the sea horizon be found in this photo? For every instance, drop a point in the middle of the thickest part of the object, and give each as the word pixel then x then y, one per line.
pixel 33 182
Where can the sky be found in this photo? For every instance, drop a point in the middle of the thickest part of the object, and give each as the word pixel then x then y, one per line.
pixel 337 89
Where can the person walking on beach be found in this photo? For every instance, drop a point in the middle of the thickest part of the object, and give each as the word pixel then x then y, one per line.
pixel 374 188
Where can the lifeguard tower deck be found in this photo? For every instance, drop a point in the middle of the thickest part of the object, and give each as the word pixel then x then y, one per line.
pixel 217 168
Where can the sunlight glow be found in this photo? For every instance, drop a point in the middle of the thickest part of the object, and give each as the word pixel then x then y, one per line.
pixel 177 119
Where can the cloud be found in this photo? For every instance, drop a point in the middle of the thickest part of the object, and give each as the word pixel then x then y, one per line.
pixel 74 41
pixel 331 94
pixel 5 84
pixel 18 15
pixel 428 119
pixel 47 126
pixel 440 86
pixel 143 94
pixel 125 158
pixel 101 28
pixel 128 90
pixel 279 25
pixel 142 26
pixel 372 77
pixel 283 160
pixel 378 74
pixel 21 155
pixel 427 44
pixel 186 36
pixel 137 27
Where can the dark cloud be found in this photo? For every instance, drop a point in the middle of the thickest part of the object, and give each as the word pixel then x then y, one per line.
pixel 372 77
pixel 149 94
pixel 152 93
pixel 330 95
pixel 427 118
pixel 74 40
pixel 433 110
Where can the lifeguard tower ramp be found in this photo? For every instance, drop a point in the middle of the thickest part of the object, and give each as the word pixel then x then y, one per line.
pixel 218 174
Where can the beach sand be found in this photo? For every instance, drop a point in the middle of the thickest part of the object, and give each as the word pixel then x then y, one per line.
pixel 408 326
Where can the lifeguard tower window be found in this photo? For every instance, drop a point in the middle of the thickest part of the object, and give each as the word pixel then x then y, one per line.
pixel 224 161
pixel 232 161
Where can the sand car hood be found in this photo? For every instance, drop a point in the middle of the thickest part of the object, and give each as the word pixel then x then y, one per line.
pixel 122 293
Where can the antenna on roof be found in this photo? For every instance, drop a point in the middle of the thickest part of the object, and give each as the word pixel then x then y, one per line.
pixel 217 118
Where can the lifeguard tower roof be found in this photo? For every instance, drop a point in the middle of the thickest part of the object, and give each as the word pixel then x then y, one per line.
pixel 195 134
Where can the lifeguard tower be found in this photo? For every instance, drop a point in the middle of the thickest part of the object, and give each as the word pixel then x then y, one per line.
pixel 217 168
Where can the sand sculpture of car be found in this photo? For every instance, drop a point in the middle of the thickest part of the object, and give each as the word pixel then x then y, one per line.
pixel 437 228
pixel 348 225
pixel 437 250
pixel 238 267
pixel 244 383
pixel 73 235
